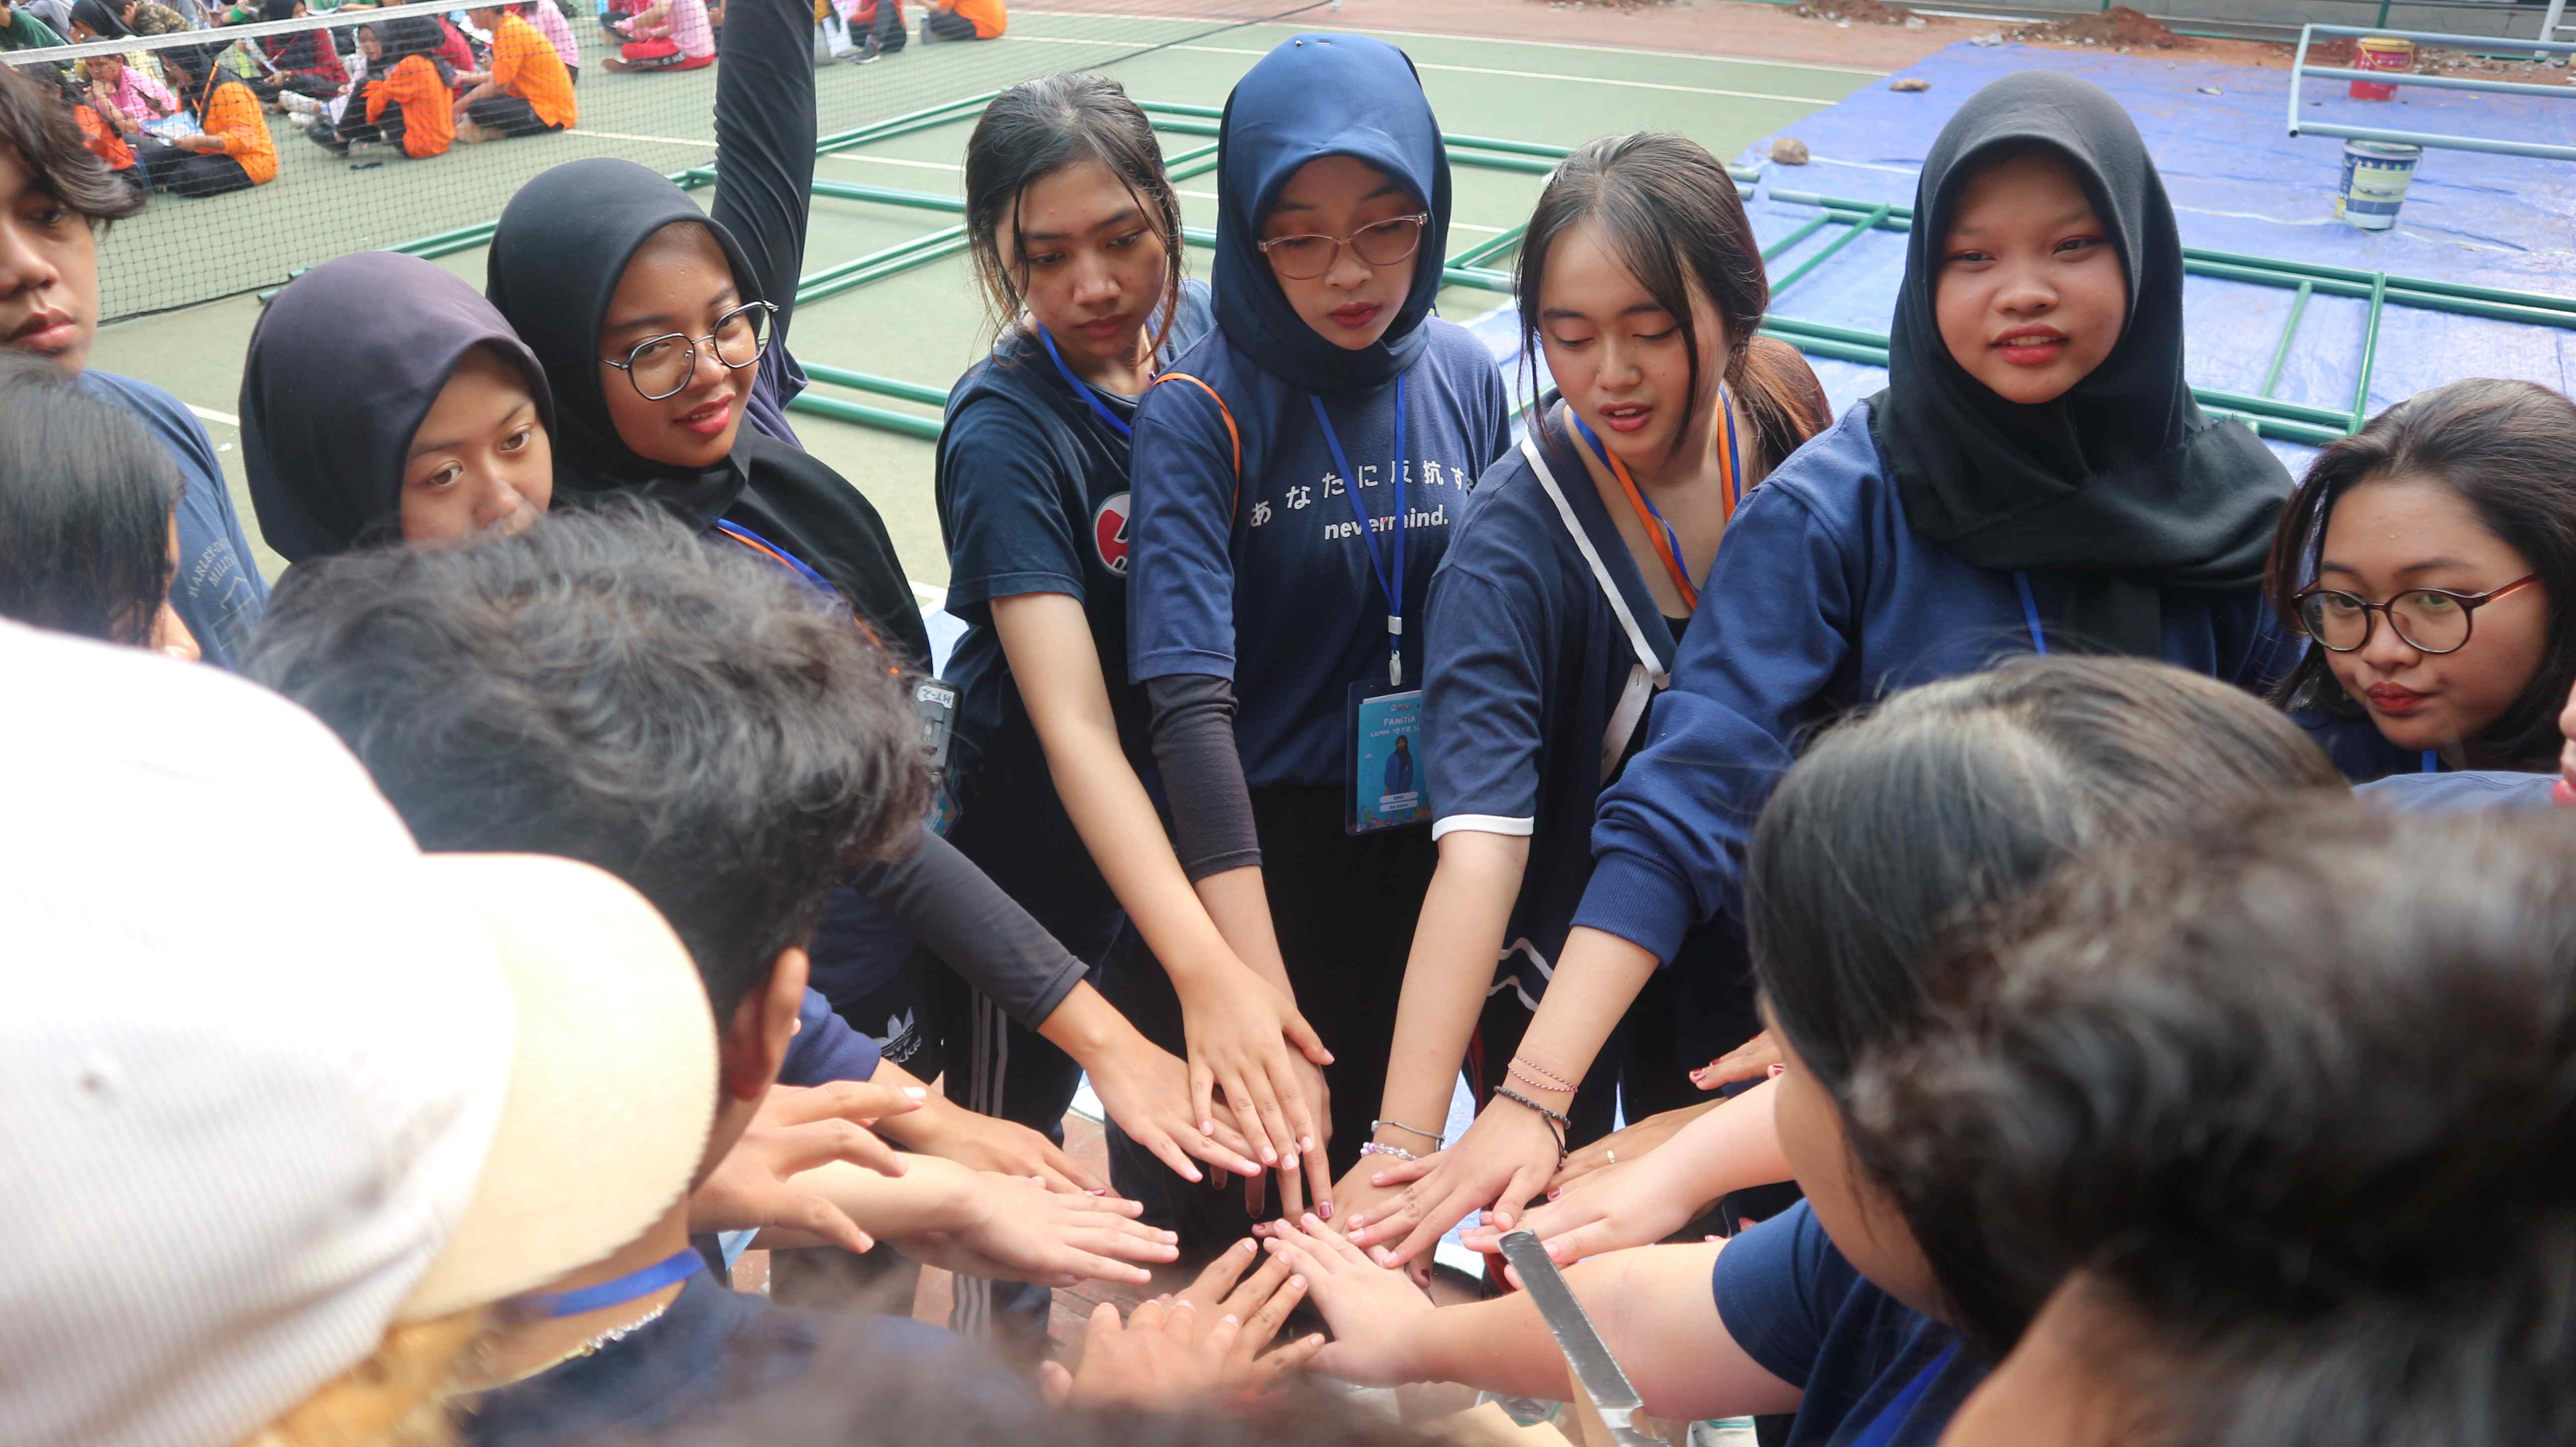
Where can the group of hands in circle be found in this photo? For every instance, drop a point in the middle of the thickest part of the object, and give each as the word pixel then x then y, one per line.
pixel 1360 1246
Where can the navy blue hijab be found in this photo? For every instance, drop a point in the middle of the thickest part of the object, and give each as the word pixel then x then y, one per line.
pixel 1318 96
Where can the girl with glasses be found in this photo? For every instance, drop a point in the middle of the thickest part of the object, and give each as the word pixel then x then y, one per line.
pixel 2428 558
pixel 1295 478
pixel 2036 477
pixel 661 330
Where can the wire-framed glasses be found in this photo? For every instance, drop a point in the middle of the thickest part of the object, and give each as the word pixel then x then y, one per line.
pixel 2428 620
pixel 1303 258
pixel 661 366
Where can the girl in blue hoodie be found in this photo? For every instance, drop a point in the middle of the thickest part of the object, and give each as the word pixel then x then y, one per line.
pixel 1295 477
pixel 2035 477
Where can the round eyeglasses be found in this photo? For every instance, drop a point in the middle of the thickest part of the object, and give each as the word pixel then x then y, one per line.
pixel 661 366
pixel 2428 620
pixel 1303 258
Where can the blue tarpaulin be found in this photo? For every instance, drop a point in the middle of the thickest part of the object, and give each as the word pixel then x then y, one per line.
pixel 2239 183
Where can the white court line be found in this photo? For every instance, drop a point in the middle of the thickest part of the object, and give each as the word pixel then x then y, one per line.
pixel 863 158
pixel 649 140
pixel 209 414
pixel 1479 39
pixel 1804 100
pixel 930 597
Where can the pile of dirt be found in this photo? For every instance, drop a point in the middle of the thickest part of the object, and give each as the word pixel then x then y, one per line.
pixel 2118 28
pixel 1858 12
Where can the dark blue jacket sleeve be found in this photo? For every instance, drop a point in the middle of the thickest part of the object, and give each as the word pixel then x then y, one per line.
pixel 825 1048
pixel 1772 630
pixel 1180 580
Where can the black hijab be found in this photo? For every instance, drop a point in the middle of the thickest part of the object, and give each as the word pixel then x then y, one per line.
pixel 561 248
pixel 343 366
pixel 97 16
pixel 2122 486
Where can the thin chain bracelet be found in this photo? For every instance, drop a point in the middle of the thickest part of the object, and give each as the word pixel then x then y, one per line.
pixel 1437 1140
pixel 1372 1148
pixel 1544 1080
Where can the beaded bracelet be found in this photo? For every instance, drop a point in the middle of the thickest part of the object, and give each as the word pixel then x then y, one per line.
pixel 1372 1148
pixel 1435 1137
pixel 1543 1079
pixel 1556 1121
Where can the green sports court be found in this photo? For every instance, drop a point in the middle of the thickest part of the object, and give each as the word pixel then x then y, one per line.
pixel 923 324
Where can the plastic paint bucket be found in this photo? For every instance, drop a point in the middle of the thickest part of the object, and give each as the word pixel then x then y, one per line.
pixel 2380 52
pixel 2375 177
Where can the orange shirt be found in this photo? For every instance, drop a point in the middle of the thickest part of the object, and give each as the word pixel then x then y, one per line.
pixel 232 117
pixel 428 106
pixel 526 65
pixel 988 16
pixel 102 139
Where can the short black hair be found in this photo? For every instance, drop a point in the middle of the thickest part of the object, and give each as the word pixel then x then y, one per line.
pixel 85 500
pixel 2297 1098
pixel 607 687
pixel 35 124
pixel 2503 446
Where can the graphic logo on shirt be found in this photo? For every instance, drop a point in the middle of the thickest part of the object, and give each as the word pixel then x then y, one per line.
pixel 1109 533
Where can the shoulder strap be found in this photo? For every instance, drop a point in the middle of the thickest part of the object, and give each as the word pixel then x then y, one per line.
pixel 1232 435
pixel 1648 676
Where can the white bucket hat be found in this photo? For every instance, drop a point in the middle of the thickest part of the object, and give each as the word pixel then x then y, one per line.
pixel 271 1079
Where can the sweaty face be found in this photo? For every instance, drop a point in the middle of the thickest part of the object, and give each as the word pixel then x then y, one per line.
pixel 678 285
pixel 2389 540
pixel 1089 262
pixel 2031 295
pixel 48 270
pixel 1854 1211
pixel 1617 354
pixel 1353 300
pixel 480 460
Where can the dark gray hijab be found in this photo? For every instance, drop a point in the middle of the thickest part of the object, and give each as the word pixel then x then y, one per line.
pixel 343 366
pixel 2122 486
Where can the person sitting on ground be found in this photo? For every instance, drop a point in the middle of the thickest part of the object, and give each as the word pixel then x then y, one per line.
pixel 525 93
pixel 412 106
pixel 102 131
pixel 21 30
pixel 55 198
pixel 2278 1123
pixel 666 35
pixel 256 1195
pixel 551 24
pixel 87 542
pixel 305 62
pixel 879 22
pixel 963 20
pixel 606 688
pixel 232 149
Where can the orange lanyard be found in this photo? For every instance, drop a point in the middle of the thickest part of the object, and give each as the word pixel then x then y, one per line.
pixel 1667 543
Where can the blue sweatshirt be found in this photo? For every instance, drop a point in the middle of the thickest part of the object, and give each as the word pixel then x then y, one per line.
pixel 1534 696
pixel 1823 598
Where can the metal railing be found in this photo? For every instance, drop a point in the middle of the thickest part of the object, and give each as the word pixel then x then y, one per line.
pixel 2300 70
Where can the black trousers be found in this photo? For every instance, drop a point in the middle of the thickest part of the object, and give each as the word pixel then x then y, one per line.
pixel 508 115
pixel 1344 910
pixel 191 173
pixel 948 25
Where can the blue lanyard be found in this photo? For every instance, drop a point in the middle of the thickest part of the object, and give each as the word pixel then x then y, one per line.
pixel 2432 761
pixel 620 1290
pixel 1882 1429
pixel 2030 612
pixel 1672 540
pixel 1368 538
pixel 1083 389
pixel 776 554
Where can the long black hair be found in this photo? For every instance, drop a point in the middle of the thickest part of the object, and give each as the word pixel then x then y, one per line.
pixel 1037 128
pixel 1671 213
pixel 2504 447
pixel 201 73
pixel 85 500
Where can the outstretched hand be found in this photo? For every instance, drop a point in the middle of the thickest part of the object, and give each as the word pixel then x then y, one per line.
pixel 1165 1356
pixel 798 1129
pixel 1503 1160
pixel 1372 1311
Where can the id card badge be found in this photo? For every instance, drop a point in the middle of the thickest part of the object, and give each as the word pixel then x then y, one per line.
pixel 934 707
pixel 1384 783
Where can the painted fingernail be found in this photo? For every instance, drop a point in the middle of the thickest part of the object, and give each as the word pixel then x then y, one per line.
pixel 1097 1191
pixel 1325 1210
pixel 1555 1192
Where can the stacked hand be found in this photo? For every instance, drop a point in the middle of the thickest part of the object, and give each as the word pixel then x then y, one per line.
pixel 1203 1343
pixel 1503 1160
pixel 797 1129
pixel 1370 1309
pixel 1252 1052
pixel 1016 1229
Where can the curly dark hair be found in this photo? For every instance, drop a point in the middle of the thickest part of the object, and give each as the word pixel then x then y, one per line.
pixel 607 687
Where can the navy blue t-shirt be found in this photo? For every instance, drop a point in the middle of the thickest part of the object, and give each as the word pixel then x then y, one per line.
pixel 1033 498
pixel 1529 663
pixel 716 1349
pixel 1824 598
pixel 217 591
pixel 1808 1317
pixel 825 1048
pixel 1266 580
